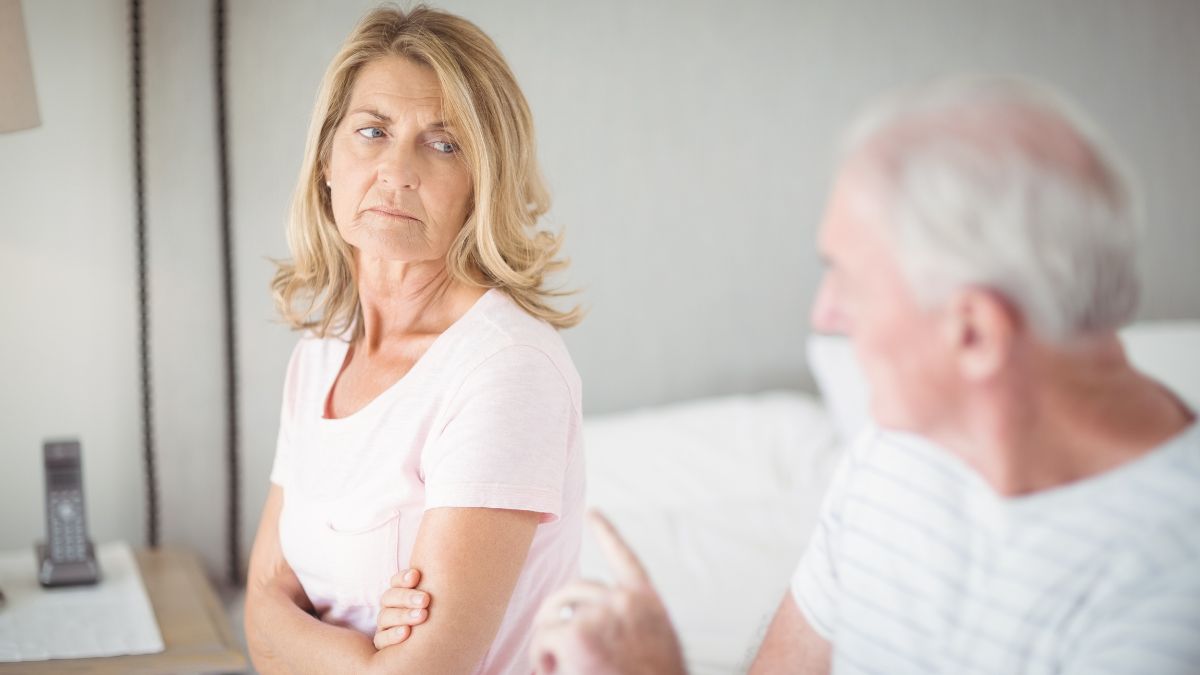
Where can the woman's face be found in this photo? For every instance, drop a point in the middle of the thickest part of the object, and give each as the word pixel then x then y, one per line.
pixel 399 187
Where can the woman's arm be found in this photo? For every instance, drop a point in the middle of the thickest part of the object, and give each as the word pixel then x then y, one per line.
pixel 470 560
pixel 278 615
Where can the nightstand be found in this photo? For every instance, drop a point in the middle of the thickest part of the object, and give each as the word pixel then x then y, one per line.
pixel 193 624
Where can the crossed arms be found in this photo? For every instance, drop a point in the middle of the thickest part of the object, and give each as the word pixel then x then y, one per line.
pixel 470 559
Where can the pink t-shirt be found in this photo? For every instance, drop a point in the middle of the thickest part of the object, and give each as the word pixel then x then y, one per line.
pixel 488 417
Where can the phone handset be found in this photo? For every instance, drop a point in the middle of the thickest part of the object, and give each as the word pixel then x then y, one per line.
pixel 67 557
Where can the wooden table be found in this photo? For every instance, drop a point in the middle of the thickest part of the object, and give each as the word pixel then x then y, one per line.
pixel 193 624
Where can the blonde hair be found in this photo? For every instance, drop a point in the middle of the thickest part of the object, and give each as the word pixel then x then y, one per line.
pixel 498 246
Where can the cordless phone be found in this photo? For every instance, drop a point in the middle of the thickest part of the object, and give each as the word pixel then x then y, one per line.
pixel 67 558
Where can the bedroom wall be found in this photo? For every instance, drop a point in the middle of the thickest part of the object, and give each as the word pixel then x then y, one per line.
pixel 686 143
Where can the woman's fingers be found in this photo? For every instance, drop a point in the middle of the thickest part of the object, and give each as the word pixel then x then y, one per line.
pixel 403 598
pixel 401 608
pixel 405 579
pixel 391 636
pixel 391 617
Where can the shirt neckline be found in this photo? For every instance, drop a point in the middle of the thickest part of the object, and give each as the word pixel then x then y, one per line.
pixel 1056 498
pixel 438 344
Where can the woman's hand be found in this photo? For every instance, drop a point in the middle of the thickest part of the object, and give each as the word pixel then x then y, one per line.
pixel 400 608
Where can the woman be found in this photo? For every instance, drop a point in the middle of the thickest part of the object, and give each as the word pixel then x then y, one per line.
pixel 431 414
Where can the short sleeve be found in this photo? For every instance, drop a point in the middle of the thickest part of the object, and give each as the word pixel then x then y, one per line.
pixel 281 467
pixel 815 583
pixel 506 439
pixel 1153 630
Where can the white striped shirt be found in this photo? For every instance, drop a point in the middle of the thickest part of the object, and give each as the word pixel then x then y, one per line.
pixel 918 566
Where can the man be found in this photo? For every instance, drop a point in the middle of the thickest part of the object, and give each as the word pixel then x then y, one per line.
pixel 980 253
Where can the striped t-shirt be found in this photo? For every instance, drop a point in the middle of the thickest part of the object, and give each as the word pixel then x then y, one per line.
pixel 917 566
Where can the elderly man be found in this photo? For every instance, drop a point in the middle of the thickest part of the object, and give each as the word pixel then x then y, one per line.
pixel 1036 506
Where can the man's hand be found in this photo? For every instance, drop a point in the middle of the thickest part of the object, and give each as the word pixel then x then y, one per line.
pixel 400 608
pixel 588 627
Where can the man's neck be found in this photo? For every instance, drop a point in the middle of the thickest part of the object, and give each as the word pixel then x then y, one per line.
pixel 1064 415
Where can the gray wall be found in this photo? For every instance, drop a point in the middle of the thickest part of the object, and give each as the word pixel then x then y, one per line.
pixel 687 144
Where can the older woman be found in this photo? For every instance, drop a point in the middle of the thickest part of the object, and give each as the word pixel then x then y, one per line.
pixel 431 413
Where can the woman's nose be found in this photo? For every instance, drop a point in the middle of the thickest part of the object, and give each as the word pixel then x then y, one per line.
pixel 398 169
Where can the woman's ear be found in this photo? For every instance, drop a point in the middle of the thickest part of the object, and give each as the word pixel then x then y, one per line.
pixel 981 328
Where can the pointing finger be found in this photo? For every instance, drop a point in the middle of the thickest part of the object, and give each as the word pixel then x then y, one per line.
pixel 626 566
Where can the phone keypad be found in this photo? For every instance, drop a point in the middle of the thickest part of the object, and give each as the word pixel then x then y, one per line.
pixel 67 536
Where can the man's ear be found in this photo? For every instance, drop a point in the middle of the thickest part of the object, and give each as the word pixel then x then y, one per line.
pixel 981 328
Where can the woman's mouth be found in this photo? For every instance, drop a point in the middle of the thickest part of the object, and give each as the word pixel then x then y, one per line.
pixel 393 213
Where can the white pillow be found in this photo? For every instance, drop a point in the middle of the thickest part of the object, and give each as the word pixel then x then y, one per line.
pixel 842 384
pixel 1166 351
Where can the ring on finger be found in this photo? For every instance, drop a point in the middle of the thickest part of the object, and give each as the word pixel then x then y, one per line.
pixel 566 612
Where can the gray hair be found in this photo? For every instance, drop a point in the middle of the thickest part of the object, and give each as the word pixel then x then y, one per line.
pixel 999 183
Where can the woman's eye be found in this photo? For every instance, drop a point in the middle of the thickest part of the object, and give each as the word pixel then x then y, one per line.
pixel 371 132
pixel 443 146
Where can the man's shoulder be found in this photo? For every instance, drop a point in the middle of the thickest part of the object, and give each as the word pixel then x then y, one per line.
pixel 1162 500
pixel 904 494
pixel 892 461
